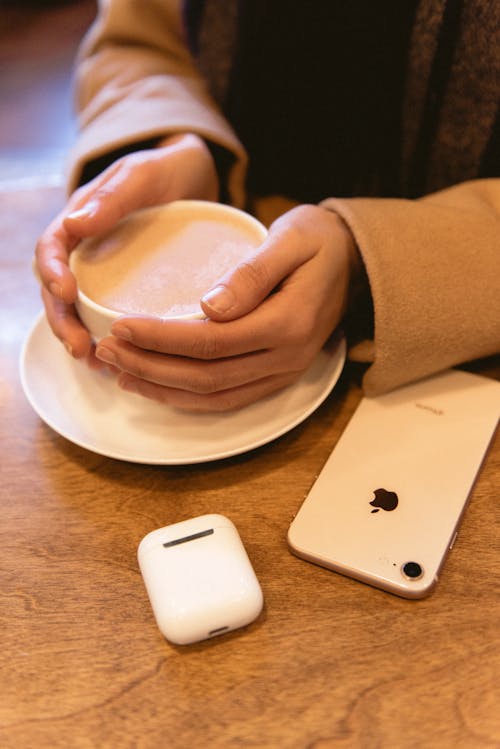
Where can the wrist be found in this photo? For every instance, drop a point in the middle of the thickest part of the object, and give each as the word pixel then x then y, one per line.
pixel 358 280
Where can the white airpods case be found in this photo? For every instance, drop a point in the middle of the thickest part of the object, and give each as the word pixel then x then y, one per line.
pixel 199 579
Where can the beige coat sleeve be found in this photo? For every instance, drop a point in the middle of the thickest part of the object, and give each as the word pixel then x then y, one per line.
pixel 434 272
pixel 135 80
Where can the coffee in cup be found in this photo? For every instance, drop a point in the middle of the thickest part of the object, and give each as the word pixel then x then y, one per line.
pixel 160 261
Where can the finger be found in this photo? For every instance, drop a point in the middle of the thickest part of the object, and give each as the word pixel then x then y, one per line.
pixel 245 287
pixel 225 400
pixel 51 263
pixel 124 187
pixel 66 325
pixel 141 179
pixel 195 376
pixel 205 339
pixel 89 214
pixel 96 364
pixel 53 250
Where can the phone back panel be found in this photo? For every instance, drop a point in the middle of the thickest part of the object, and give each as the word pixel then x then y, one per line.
pixel 395 486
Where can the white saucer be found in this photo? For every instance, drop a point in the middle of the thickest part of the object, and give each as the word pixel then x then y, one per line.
pixel 88 408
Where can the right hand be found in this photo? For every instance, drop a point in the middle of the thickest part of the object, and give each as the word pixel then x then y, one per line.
pixel 181 167
pixel 266 320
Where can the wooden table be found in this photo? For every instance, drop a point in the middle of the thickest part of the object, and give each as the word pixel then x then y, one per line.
pixel 330 663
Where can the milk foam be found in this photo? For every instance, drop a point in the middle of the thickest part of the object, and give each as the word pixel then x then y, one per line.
pixel 161 263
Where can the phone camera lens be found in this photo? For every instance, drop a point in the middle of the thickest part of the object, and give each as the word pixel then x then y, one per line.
pixel 412 570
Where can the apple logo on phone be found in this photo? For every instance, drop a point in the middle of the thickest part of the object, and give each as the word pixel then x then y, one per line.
pixel 384 500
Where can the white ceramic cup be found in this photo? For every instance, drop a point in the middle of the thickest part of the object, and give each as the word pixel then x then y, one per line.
pixel 97 317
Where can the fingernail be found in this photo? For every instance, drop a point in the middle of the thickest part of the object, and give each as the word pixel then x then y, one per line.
pixel 220 299
pixel 85 211
pixel 68 347
pixel 121 331
pixel 127 384
pixel 55 289
pixel 105 354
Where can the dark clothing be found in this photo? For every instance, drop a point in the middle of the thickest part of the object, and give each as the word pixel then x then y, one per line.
pixel 394 98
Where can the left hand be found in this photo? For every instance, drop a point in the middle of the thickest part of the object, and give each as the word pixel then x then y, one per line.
pixel 253 342
pixel 180 167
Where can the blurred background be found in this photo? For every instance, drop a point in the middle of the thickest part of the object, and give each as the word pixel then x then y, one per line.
pixel 38 43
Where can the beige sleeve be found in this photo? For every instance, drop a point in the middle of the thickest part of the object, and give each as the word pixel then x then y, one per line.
pixel 135 79
pixel 434 272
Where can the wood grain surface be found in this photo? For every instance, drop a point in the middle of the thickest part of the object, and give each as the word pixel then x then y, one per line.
pixel 330 663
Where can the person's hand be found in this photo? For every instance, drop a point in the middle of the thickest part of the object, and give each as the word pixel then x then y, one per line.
pixel 180 167
pixel 266 321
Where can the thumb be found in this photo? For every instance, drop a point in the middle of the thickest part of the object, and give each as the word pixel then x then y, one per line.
pixel 118 192
pixel 242 289
pixel 98 215
pixel 86 220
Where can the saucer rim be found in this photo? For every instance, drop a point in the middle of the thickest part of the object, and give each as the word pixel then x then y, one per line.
pixel 334 364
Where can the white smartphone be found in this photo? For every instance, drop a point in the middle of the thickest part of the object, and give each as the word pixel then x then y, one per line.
pixel 386 507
